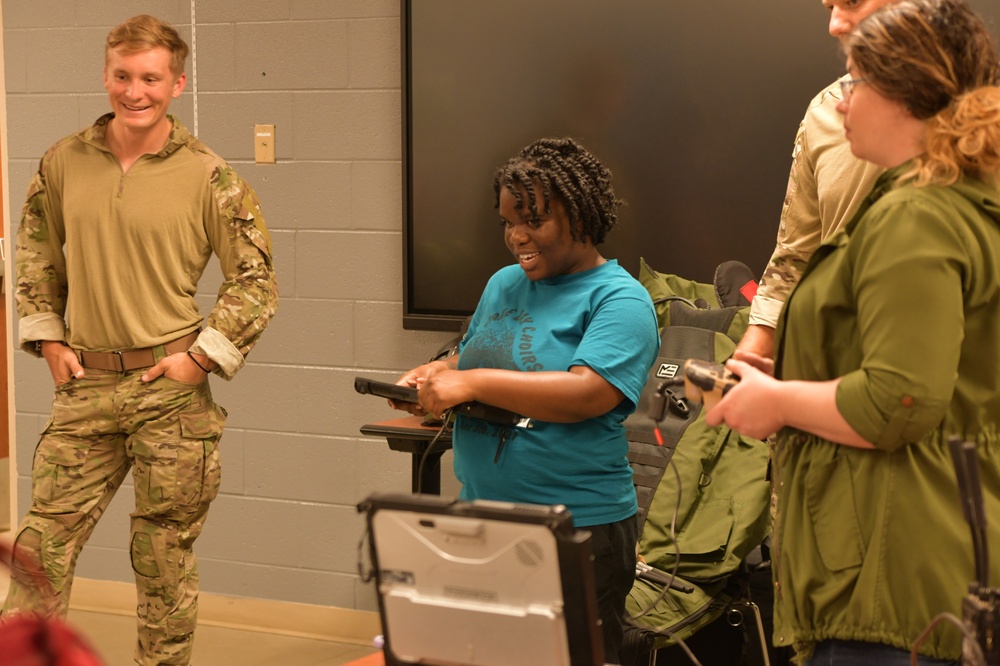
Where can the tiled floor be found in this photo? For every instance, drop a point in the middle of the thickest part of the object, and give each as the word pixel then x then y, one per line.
pixel 113 637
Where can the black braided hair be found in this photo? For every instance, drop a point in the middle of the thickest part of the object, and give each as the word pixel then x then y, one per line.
pixel 563 168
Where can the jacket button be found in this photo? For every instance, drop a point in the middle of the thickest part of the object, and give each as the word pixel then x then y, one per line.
pixel 907 401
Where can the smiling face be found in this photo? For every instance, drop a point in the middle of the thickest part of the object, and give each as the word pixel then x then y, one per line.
pixel 541 242
pixel 846 14
pixel 140 88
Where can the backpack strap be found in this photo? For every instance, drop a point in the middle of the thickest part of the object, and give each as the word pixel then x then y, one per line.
pixel 715 319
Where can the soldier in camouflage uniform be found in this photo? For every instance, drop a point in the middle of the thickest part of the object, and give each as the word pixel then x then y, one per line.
pixel 120 222
pixel 826 185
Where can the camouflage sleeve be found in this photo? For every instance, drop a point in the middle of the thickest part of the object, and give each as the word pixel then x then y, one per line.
pixel 40 290
pixel 799 234
pixel 248 297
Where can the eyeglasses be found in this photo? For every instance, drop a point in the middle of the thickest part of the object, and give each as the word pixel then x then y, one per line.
pixel 847 87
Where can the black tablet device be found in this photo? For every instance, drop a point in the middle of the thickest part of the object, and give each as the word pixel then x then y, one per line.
pixel 386 390
pixel 409 394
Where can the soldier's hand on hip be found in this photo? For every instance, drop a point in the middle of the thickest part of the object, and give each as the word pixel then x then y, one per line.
pixel 177 366
pixel 62 360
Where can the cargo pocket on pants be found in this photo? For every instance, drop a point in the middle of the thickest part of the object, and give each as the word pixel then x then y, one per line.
pixel 56 467
pixel 178 476
pixel 200 467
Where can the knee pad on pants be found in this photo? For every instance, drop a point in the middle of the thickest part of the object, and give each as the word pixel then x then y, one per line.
pixel 42 554
pixel 148 553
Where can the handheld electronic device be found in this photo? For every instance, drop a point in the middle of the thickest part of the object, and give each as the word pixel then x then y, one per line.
pixel 386 390
pixel 707 382
pixel 409 394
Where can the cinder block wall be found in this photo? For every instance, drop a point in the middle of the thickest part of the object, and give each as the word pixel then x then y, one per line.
pixel 327 74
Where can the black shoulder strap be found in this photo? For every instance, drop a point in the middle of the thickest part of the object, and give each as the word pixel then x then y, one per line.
pixel 713 319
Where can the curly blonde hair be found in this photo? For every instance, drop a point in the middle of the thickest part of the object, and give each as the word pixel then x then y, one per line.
pixel 938 59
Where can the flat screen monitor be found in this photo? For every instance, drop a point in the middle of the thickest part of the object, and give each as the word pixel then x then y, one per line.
pixel 694 107
pixel 482 583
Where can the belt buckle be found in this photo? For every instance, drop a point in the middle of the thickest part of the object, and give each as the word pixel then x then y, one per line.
pixel 117 355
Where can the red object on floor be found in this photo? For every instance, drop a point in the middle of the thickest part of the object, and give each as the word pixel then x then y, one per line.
pixel 375 659
pixel 30 640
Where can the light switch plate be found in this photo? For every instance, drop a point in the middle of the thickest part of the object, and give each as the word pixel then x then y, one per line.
pixel 263 144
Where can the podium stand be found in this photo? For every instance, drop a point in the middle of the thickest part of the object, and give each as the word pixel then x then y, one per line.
pixel 409 435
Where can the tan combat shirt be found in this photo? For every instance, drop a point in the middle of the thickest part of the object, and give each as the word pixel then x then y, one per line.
pixel 826 185
pixel 111 261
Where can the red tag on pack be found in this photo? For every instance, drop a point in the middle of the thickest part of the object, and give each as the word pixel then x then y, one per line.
pixel 749 290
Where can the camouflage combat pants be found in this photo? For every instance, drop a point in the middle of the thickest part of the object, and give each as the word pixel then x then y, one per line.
pixel 102 425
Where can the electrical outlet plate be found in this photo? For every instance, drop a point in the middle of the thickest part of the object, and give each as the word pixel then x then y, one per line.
pixel 263 144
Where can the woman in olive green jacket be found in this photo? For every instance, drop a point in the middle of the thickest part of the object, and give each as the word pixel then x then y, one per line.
pixel 890 345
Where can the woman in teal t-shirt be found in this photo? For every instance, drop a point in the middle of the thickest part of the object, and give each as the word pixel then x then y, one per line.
pixel 564 338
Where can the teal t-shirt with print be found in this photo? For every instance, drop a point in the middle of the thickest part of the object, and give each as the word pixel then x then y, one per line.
pixel 601 318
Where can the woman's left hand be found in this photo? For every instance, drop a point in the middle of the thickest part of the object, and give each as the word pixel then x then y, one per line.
pixel 752 407
pixel 444 390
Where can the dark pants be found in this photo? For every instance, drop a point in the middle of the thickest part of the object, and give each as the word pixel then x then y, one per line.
pixel 613 545
pixel 860 653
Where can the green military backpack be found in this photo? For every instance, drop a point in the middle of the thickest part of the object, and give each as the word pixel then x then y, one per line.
pixel 703 494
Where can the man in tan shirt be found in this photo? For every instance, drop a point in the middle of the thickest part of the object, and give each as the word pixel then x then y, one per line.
pixel 825 187
pixel 120 221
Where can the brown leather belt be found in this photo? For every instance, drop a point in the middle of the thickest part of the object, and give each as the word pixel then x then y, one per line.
pixel 133 359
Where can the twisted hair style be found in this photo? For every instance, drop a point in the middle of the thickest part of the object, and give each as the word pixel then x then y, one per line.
pixel 144 32
pixel 563 168
pixel 938 59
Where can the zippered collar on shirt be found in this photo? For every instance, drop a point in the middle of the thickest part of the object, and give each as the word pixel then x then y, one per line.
pixel 96 135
